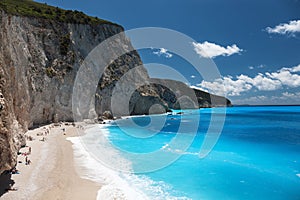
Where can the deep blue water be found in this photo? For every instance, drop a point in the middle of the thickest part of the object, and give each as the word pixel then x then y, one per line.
pixel 257 155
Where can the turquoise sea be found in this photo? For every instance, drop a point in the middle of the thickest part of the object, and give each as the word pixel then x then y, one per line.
pixel 257 155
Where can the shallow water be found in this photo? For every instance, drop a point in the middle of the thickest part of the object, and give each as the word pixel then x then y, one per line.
pixel 257 155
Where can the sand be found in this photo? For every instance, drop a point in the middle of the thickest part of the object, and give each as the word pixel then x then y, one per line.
pixel 52 173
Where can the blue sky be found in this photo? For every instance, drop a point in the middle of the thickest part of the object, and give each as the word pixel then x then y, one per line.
pixel 255 44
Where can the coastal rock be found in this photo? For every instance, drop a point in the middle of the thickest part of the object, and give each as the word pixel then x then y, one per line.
pixel 177 95
pixel 149 105
pixel 107 115
pixel 39 61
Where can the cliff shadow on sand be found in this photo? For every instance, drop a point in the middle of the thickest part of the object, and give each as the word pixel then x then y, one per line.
pixel 6 183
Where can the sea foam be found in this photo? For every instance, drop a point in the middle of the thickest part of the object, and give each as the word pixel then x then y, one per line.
pixel 90 168
pixel 115 184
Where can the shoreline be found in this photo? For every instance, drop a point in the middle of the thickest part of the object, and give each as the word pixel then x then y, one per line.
pixel 115 183
pixel 52 170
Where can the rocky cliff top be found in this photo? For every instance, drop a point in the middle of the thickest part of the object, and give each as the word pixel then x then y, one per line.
pixel 29 8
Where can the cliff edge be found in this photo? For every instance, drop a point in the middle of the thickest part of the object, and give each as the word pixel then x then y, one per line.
pixel 41 51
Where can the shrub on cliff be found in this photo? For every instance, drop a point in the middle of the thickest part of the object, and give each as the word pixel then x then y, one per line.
pixel 30 8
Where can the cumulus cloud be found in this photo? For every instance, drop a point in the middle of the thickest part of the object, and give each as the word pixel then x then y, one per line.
pixel 280 99
pixel 291 95
pixel 258 98
pixel 265 83
pixel 286 97
pixel 293 69
pixel 228 85
pixel 286 28
pixel 163 52
pixel 287 76
pixel 212 50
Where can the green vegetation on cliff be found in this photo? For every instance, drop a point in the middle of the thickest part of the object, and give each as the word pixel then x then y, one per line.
pixel 29 8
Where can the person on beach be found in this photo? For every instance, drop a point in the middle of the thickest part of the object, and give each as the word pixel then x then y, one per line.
pixel 27 161
pixel 29 151
pixel 29 138
pixel 64 131
pixel 14 171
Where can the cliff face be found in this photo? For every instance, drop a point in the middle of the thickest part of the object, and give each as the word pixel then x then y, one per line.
pixel 180 96
pixel 39 59
pixel 177 95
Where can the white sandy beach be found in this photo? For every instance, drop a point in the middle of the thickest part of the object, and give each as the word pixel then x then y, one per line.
pixel 52 173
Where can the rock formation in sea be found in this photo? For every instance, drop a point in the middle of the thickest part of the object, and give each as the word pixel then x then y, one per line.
pixel 41 51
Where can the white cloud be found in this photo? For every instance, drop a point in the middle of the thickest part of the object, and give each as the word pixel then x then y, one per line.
pixel 287 76
pixel 211 50
pixel 287 28
pixel 226 85
pixel 258 67
pixel 163 52
pixel 263 82
pixel 193 76
pixel 257 98
pixel 291 95
pixel 285 98
pixel 292 69
pixel 296 69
